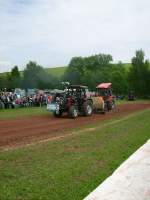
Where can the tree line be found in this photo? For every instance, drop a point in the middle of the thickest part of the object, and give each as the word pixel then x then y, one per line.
pixel 89 71
pixel 33 76
pixel 95 69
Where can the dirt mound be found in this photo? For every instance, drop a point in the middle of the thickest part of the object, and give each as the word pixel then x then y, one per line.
pixel 24 131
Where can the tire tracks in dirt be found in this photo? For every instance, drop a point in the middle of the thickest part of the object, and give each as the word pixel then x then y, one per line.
pixel 21 132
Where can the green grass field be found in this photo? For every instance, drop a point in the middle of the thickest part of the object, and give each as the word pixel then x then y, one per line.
pixel 56 71
pixel 23 112
pixel 72 167
pixel 59 71
pixel 36 111
pixel 31 111
pixel 137 101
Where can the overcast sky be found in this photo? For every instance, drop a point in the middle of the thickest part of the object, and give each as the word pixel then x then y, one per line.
pixel 52 31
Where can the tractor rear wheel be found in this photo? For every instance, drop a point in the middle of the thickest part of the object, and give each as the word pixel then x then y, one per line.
pixel 73 112
pixel 87 108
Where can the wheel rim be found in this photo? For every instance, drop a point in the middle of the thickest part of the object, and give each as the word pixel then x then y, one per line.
pixel 89 109
pixel 75 113
pixel 113 106
pixel 57 112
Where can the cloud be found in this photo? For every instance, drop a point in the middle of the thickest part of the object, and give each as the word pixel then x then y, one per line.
pixel 51 32
pixel 5 65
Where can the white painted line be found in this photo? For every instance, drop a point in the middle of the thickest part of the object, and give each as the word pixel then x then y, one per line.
pixel 131 181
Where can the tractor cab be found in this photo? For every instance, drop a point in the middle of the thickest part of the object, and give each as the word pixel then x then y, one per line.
pixel 76 91
pixel 104 100
pixel 104 90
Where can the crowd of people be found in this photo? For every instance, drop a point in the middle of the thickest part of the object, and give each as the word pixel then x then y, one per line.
pixel 13 100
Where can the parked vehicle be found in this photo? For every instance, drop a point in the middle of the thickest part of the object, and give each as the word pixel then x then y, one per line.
pixel 131 96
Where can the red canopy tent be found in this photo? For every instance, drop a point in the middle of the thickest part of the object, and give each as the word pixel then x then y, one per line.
pixel 104 85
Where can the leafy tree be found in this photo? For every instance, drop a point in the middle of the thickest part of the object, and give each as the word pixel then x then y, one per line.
pixel 85 70
pixel 34 76
pixel 3 82
pixel 73 77
pixel 104 60
pixel 139 74
pixel 119 78
pixel 77 65
pixel 14 78
pixel 95 62
pixel 31 75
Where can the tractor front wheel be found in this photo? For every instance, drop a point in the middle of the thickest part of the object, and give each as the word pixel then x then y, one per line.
pixel 87 109
pixel 113 106
pixel 73 112
pixel 57 113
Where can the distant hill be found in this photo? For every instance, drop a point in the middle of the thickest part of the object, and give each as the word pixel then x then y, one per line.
pixel 59 71
pixel 56 71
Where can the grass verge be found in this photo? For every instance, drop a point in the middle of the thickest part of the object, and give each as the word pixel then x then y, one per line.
pixel 36 111
pixel 121 102
pixel 72 167
pixel 22 112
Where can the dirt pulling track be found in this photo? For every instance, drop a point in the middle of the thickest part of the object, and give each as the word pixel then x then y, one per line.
pixel 20 132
